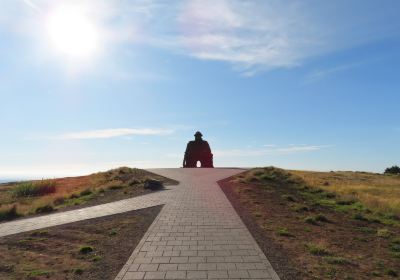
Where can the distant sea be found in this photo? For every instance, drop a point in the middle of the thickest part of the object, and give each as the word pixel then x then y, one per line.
pixel 9 180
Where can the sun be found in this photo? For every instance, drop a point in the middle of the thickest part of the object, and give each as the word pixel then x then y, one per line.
pixel 72 33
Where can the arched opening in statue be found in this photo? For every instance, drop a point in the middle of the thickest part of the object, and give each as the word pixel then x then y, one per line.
pixel 198 153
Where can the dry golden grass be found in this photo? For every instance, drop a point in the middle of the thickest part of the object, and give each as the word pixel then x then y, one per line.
pixel 376 191
pixel 72 187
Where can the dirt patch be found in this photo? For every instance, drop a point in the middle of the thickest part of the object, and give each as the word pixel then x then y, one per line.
pixel 91 249
pixel 273 250
pixel 306 240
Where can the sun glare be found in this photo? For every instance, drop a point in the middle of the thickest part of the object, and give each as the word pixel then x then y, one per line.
pixel 72 33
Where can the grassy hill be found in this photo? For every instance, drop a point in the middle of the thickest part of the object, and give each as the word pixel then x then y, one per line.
pixel 324 225
pixel 42 196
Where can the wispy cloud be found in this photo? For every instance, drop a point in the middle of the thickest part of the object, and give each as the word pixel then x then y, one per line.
pixel 113 133
pixel 287 150
pixel 250 35
pixel 322 73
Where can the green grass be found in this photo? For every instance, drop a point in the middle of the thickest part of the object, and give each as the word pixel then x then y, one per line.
pixel 97 258
pixel 86 249
pixel 336 260
pixel 313 220
pixel 37 188
pixel 394 247
pixel 284 232
pixel 113 231
pixel 76 199
pixel 78 271
pixel 317 250
pixel 39 233
pixel 39 272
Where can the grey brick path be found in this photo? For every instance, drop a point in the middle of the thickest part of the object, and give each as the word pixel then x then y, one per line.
pixel 197 235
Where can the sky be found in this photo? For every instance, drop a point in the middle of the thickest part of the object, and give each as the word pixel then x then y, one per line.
pixel 90 85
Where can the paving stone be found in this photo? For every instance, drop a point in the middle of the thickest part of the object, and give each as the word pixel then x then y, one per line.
pixel 187 266
pixel 148 267
pixel 238 274
pixel 196 275
pixel 168 267
pixel 154 275
pixel 134 275
pixel 175 275
pixel 217 274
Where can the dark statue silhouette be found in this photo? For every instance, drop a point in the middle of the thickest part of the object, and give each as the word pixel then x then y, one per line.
pixel 198 150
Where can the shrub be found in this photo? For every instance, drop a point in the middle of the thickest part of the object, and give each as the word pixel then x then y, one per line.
pixel 153 184
pixel 9 213
pixel 392 170
pixel 37 188
pixel 86 192
pixel 86 249
pixel 47 208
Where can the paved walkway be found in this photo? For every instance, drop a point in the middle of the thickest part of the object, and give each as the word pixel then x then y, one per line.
pixel 197 235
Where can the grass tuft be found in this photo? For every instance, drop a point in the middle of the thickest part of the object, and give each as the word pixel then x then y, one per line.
pixel 86 192
pixel 86 249
pixel 9 213
pixel 384 233
pixel 47 208
pixel 317 250
pixel 284 232
pixel 38 188
pixel 39 272
pixel 78 271
pixel 336 260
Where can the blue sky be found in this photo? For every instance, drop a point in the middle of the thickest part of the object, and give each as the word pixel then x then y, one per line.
pixel 93 84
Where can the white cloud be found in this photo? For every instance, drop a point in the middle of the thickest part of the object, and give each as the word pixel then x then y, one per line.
pixel 250 35
pixel 287 150
pixel 113 132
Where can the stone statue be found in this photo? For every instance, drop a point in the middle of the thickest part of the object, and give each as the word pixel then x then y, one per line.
pixel 198 150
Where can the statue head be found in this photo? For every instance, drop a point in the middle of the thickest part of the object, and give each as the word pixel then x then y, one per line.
pixel 198 136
